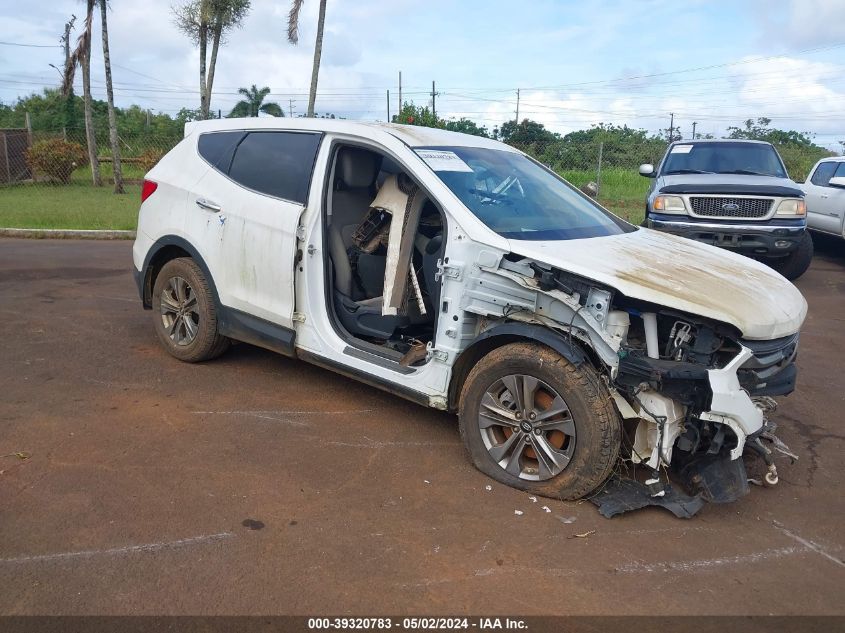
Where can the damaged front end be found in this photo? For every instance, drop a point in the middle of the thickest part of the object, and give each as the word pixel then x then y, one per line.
pixel 693 393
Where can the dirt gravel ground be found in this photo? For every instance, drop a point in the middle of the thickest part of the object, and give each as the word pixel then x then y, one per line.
pixel 260 484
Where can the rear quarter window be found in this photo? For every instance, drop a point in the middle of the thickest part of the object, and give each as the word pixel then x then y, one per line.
pixel 218 148
pixel 278 164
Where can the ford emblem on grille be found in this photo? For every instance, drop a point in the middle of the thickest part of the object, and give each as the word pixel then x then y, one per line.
pixel 730 207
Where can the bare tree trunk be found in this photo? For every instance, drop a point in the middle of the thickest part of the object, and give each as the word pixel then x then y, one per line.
pixel 115 143
pixel 318 51
pixel 212 63
pixel 203 36
pixel 90 136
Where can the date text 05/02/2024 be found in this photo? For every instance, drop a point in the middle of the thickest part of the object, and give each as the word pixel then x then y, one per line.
pixel 417 623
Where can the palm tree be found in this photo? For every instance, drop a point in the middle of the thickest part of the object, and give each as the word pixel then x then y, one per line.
pixel 293 38
pixel 253 103
pixel 207 22
pixel 115 143
pixel 81 57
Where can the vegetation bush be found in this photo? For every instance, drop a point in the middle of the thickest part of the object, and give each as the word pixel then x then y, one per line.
pixel 56 158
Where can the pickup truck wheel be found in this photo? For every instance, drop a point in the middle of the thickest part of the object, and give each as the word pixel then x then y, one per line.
pixel 184 314
pixel 532 420
pixel 798 261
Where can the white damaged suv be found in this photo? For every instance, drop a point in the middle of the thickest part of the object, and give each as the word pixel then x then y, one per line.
pixel 457 272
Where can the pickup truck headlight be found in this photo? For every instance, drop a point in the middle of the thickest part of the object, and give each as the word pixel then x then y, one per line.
pixel 669 204
pixel 795 208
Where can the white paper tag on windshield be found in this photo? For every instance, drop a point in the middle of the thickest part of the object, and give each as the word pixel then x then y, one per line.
pixel 443 160
pixel 681 149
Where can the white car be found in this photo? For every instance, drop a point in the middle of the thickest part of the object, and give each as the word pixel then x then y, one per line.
pixel 457 272
pixel 824 193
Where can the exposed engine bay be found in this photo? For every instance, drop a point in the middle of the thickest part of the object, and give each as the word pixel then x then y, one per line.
pixel 694 395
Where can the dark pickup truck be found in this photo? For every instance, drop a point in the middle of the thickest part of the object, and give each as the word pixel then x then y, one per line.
pixel 735 194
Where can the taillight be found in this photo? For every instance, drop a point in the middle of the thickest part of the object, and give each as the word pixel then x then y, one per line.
pixel 148 189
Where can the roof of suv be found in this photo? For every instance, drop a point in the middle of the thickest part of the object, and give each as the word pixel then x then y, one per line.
pixel 719 140
pixel 412 135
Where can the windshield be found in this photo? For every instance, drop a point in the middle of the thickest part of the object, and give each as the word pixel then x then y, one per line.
pixel 750 159
pixel 516 197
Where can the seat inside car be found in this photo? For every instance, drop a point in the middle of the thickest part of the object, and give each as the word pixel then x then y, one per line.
pixel 357 285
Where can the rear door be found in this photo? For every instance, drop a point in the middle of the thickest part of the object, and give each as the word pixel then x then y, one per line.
pixel 248 208
pixel 825 203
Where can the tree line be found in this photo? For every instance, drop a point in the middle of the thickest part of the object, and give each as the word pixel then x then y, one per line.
pixel 206 23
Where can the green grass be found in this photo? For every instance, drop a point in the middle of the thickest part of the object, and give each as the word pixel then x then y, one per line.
pixel 74 206
pixel 622 191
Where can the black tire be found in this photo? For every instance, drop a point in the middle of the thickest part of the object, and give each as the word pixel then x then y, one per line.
pixel 798 261
pixel 597 428
pixel 198 316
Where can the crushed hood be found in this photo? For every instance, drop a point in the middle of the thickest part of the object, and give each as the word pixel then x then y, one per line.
pixel 684 275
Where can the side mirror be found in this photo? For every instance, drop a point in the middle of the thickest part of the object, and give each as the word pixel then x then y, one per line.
pixel 647 170
pixel 837 181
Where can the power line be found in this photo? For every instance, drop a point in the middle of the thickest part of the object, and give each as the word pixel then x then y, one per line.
pixel 30 45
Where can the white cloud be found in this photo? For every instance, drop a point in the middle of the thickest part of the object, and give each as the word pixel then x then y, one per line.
pixel 802 23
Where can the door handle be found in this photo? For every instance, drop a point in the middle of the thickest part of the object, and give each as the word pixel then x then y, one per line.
pixel 202 203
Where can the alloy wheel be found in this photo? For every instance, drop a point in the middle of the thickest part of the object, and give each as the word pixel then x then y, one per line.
pixel 179 311
pixel 527 427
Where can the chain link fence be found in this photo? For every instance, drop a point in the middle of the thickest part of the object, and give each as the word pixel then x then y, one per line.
pixel 605 170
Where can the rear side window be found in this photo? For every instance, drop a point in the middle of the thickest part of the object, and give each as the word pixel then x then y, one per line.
pixel 218 148
pixel 278 164
pixel 823 173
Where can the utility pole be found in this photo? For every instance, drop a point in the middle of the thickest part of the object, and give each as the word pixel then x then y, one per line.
pixel 517 106
pixel 400 93
pixel 69 106
pixel 66 39
pixel 388 106
pixel 671 125
pixel 290 107
pixel 433 97
pixel 694 123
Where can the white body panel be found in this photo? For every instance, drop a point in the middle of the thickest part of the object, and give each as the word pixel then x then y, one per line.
pixel 249 245
pixel 685 275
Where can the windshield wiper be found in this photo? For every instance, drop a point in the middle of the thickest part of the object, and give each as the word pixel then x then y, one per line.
pixel 686 171
pixel 748 172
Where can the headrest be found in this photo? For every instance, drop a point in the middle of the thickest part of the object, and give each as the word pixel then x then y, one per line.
pixel 357 167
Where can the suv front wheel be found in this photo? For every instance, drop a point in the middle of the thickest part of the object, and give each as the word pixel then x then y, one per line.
pixel 184 313
pixel 532 420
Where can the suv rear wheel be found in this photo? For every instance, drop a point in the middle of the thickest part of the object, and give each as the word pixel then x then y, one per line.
pixel 798 261
pixel 184 314
pixel 532 420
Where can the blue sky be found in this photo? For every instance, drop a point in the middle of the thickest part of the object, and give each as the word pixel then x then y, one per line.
pixel 783 59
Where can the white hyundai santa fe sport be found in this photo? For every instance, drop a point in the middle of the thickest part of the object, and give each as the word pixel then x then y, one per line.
pixel 456 271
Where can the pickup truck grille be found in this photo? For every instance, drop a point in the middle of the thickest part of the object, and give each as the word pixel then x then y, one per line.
pixel 713 207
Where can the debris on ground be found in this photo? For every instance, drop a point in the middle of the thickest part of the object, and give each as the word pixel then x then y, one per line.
pixel 488 487
pixel 518 512
pixel 426 481
pixel 583 534
pixel 566 520
pixel 19 455
pixel 533 499
pixel 546 509
pixel 623 495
